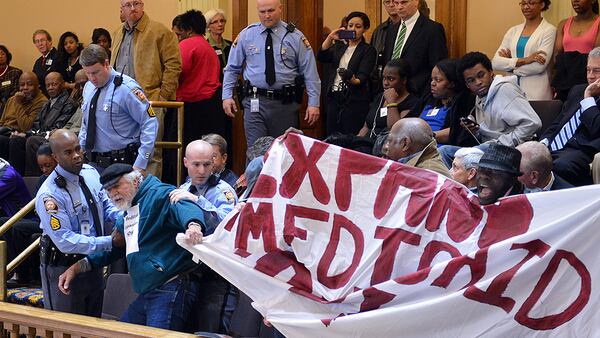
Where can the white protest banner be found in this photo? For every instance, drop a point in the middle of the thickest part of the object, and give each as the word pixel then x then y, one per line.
pixel 333 243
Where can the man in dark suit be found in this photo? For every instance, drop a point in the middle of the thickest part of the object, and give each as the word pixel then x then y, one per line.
pixel 574 136
pixel 536 166
pixel 43 42
pixel 418 40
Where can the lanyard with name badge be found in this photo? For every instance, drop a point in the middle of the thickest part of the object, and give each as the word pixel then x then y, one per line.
pixel 254 101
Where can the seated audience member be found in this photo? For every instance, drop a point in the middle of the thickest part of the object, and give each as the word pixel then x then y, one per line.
pixel 536 166
pixel 166 295
pixel 395 100
pixel 77 92
pixel 9 77
pixel 497 173
pixel 20 235
pixel 14 194
pixel 43 42
pixel 53 115
pixel 464 167
pixel 574 136
pixel 101 37
pixel 447 102
pixel 67 58
pixel 348 94
pixel 576 36
pixel 217 199
pixel 411 142
pixel 526 51
pixel 502 113
pixel 20 111
pixel 219 146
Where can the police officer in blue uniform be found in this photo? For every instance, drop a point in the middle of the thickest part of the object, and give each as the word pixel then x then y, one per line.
pixel 73 211
pixel 279 63
pixel 216 198
pixel 119 125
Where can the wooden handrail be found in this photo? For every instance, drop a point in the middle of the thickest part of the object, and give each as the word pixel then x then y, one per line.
pixel 46 323
pixel 179 143
pixel 16 217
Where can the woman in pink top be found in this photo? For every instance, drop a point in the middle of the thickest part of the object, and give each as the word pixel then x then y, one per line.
pixel 576 36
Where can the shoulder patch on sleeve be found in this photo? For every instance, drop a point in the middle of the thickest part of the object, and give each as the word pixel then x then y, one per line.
pixel 229 196
pixel 54 223
pixel 50 205
pixel 150 111
pixel 140 94
pixel 305 42
pixel 234 44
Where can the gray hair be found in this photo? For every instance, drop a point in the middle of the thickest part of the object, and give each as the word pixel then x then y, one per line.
pixel 92 55
pixel 535 156
pixel 595 53
pixel 134 176
pixel 216 140
pixel 469 157
pixel 210 14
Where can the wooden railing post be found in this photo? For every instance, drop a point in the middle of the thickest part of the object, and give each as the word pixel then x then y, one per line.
pixel 3 271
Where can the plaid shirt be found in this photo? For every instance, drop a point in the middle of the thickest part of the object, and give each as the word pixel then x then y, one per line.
pixel 9 85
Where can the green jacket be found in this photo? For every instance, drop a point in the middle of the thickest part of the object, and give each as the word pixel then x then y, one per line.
pixel 159 258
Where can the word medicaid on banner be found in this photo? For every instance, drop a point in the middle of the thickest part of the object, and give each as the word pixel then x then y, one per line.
pixel 336 243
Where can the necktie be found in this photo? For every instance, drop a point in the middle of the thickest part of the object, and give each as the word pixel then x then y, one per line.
pixel 269 59
pixel 91 123
pixel 399 42
pixel 92 205
pixel 44 62
pixel 566 132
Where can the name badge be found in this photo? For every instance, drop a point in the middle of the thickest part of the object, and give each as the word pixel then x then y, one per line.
pixel 105 107
pixel 433 112
pixel 6 83
pixel 383 112
pixel 219 52
pixel 49 62
pixel 254 105
pixel 131 229
pixel 85 228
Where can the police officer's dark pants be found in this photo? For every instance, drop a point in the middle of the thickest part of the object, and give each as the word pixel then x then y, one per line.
pixel 273 118
pixel 87 291
pixel 31 147
pixel 217 300
pixel 573 165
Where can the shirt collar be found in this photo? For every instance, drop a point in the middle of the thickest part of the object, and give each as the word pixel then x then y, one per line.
pixel 276 29
pixel 69 176
pixel 549 185
pixel 412 19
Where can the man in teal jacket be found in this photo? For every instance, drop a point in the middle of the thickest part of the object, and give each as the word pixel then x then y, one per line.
pixel 159 267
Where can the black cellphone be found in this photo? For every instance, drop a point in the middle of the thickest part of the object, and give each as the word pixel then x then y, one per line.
pixel 347 34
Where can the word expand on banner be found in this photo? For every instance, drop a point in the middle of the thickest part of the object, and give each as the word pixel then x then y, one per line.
pixel 335 243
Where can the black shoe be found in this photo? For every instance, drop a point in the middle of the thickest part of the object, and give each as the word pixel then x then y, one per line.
pixel 16 283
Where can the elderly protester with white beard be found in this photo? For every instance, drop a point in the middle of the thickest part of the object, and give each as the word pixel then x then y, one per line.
pixel 160 269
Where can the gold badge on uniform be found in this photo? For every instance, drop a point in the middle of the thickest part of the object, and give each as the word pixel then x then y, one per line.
pixel 50 205
pixel 151 112
pixel 54 223
pixel 140 94
pixel 306 43
pixel 229 196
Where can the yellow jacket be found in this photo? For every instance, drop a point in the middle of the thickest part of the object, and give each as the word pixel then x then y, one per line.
pixel 157 60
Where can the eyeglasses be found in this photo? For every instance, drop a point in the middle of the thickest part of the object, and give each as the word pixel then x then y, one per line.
pixel 388 2
pixel 529 3
pixel 218 21
pixel 132 5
